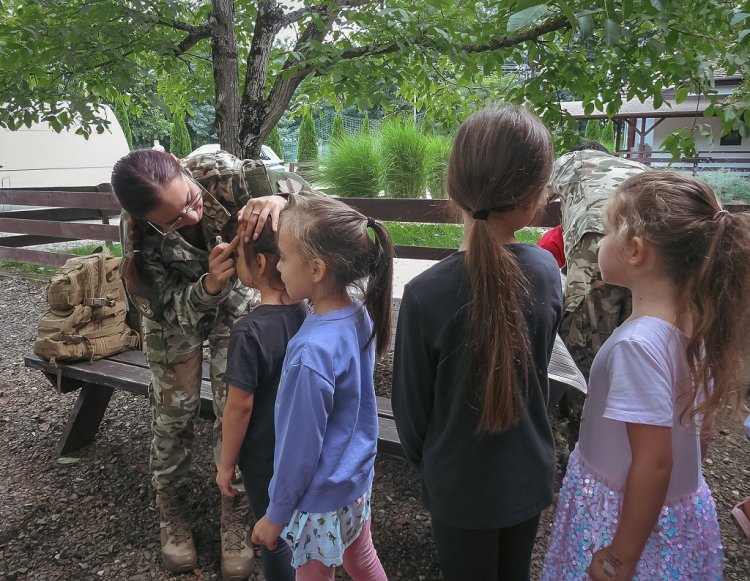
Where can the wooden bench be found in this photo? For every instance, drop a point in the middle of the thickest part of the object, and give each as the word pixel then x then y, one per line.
pixel 128 371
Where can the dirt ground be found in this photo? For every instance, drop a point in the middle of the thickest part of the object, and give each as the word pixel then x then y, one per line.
pixel 93 516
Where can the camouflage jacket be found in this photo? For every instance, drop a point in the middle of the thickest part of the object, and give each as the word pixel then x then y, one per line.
pixel 584 181
pixel 171 292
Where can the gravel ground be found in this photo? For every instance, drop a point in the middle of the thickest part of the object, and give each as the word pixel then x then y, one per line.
pixel 93 517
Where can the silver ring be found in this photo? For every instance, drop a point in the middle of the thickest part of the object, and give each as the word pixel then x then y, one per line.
pixel 255 213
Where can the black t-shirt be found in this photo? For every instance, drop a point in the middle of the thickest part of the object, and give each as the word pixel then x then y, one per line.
pixel 257 346
pixel 470 480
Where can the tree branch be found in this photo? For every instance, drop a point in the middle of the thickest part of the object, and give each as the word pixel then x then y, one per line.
pixel 300 13
pixel 196 33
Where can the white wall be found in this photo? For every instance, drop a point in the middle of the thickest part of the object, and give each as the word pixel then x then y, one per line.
pixel 37 156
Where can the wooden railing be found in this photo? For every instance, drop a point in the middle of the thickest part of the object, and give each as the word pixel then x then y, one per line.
pixel 59 220
pixel 703 161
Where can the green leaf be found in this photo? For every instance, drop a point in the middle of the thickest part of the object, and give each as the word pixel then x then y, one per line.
pixel 525 17
pixel 568 12
pixel 681 94
pixel 738 17
pixel 627 8
pixel 612 32
pixel 585 26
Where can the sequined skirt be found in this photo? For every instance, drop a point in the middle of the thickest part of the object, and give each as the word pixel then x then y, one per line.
pixel 685 545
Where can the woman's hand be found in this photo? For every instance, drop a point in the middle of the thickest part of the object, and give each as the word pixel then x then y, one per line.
pixel 225 477
pixel 266 533
pixel 607 566
pixel 220 266
pixel 253 216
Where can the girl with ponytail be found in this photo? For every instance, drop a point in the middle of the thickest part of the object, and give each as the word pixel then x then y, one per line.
pixel 475 336
pixel 634 502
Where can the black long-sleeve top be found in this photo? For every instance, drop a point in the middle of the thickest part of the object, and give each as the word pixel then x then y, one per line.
pixel 471 480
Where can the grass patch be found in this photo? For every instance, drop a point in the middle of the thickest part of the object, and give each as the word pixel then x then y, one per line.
pixel 49 271
pixel 442 235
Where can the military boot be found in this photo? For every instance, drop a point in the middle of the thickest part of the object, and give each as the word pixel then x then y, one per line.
pixel 236 548
pixel 177 546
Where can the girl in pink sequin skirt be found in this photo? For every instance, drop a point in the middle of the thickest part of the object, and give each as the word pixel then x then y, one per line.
pixel 634 504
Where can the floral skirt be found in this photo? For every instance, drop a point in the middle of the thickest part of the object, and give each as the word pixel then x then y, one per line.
pixel 685 544
pixel 324 536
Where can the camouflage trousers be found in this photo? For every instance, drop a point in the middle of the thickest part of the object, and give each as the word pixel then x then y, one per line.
pixel 176 362
pixel 592 308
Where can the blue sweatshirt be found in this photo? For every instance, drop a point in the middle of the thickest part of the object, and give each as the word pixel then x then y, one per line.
pixel 326 416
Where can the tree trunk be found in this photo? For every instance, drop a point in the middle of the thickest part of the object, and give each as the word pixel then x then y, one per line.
pixel 224 55
pixel 253 125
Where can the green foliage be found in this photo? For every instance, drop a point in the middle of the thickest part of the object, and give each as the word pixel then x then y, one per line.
pixel 437 152
pixel 307 148
pixel 593 130
pixel 352 168
pixel 179 139
pixel 607 138
pixel 201 124
pixel 729 186
pixel 62 60
pixel 429 235
pixel 273 140
pixel 365 130
pixel 404 165
pixel 337 131
pixel 150 124
pixel 124 119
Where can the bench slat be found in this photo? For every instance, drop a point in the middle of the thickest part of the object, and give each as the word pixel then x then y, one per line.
pixel 110 233
pixel 60 199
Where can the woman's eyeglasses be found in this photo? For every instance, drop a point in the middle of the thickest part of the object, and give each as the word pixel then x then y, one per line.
pixel 177 222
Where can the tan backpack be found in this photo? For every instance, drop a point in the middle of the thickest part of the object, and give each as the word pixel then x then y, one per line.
pixel 87 310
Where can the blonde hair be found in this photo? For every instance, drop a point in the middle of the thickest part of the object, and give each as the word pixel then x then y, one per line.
pixel 705 251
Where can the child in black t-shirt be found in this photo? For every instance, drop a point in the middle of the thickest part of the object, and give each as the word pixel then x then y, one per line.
pixel 257 346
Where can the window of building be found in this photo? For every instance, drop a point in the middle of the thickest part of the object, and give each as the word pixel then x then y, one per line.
pixel 731 138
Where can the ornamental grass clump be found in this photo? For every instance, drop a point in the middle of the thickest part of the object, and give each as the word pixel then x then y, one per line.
pixel 352 168
pixel 404 164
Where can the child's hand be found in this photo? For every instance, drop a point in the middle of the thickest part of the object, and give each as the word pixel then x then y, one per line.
pixel 225 477
pixel 266 533
pixel 606 566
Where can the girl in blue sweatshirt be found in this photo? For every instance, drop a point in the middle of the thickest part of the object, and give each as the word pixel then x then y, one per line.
pixel 326 413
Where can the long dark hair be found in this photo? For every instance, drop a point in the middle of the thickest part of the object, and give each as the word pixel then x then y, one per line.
pixel 267 245
pixel 337 234
pixel 705 250
pixel 500 161
pixel 138 181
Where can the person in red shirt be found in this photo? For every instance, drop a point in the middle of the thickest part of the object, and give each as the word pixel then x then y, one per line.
pixel 552 240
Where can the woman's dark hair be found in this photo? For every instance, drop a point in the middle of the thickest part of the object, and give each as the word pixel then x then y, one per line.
pixel 337 234
pixel 266 245
pixel 705 251
pixel 138 181
pixel 500 161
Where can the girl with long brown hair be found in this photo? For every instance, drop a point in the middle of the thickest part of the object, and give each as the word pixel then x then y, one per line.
pixel 475 336
pixel 634 502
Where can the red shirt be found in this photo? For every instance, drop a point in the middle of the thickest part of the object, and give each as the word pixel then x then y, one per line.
pixel 552 240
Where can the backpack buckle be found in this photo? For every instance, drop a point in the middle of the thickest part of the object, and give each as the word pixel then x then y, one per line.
pixel 98 302
pixel 72 339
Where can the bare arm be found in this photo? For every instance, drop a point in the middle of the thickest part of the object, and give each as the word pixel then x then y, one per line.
pixel 237 413
pixel 645 492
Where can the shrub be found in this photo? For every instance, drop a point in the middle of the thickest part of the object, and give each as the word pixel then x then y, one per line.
pixel 365 129
pixel 728 185
pixel 337 131
pixel 352 168
pixel 307 148
pixel 179 139
pixel 607 138
pixel 437 152
pixel 273 140
pixel 402 154
pixel 593 131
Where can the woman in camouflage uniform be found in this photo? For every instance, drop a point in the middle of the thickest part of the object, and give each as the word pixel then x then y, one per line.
pixel 180 275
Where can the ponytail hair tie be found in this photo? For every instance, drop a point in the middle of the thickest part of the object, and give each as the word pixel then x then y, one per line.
pixel 720 213
pixel 481 214
pixel 370 222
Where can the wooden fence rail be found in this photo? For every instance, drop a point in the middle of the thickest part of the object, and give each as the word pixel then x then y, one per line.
pixel 60 220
